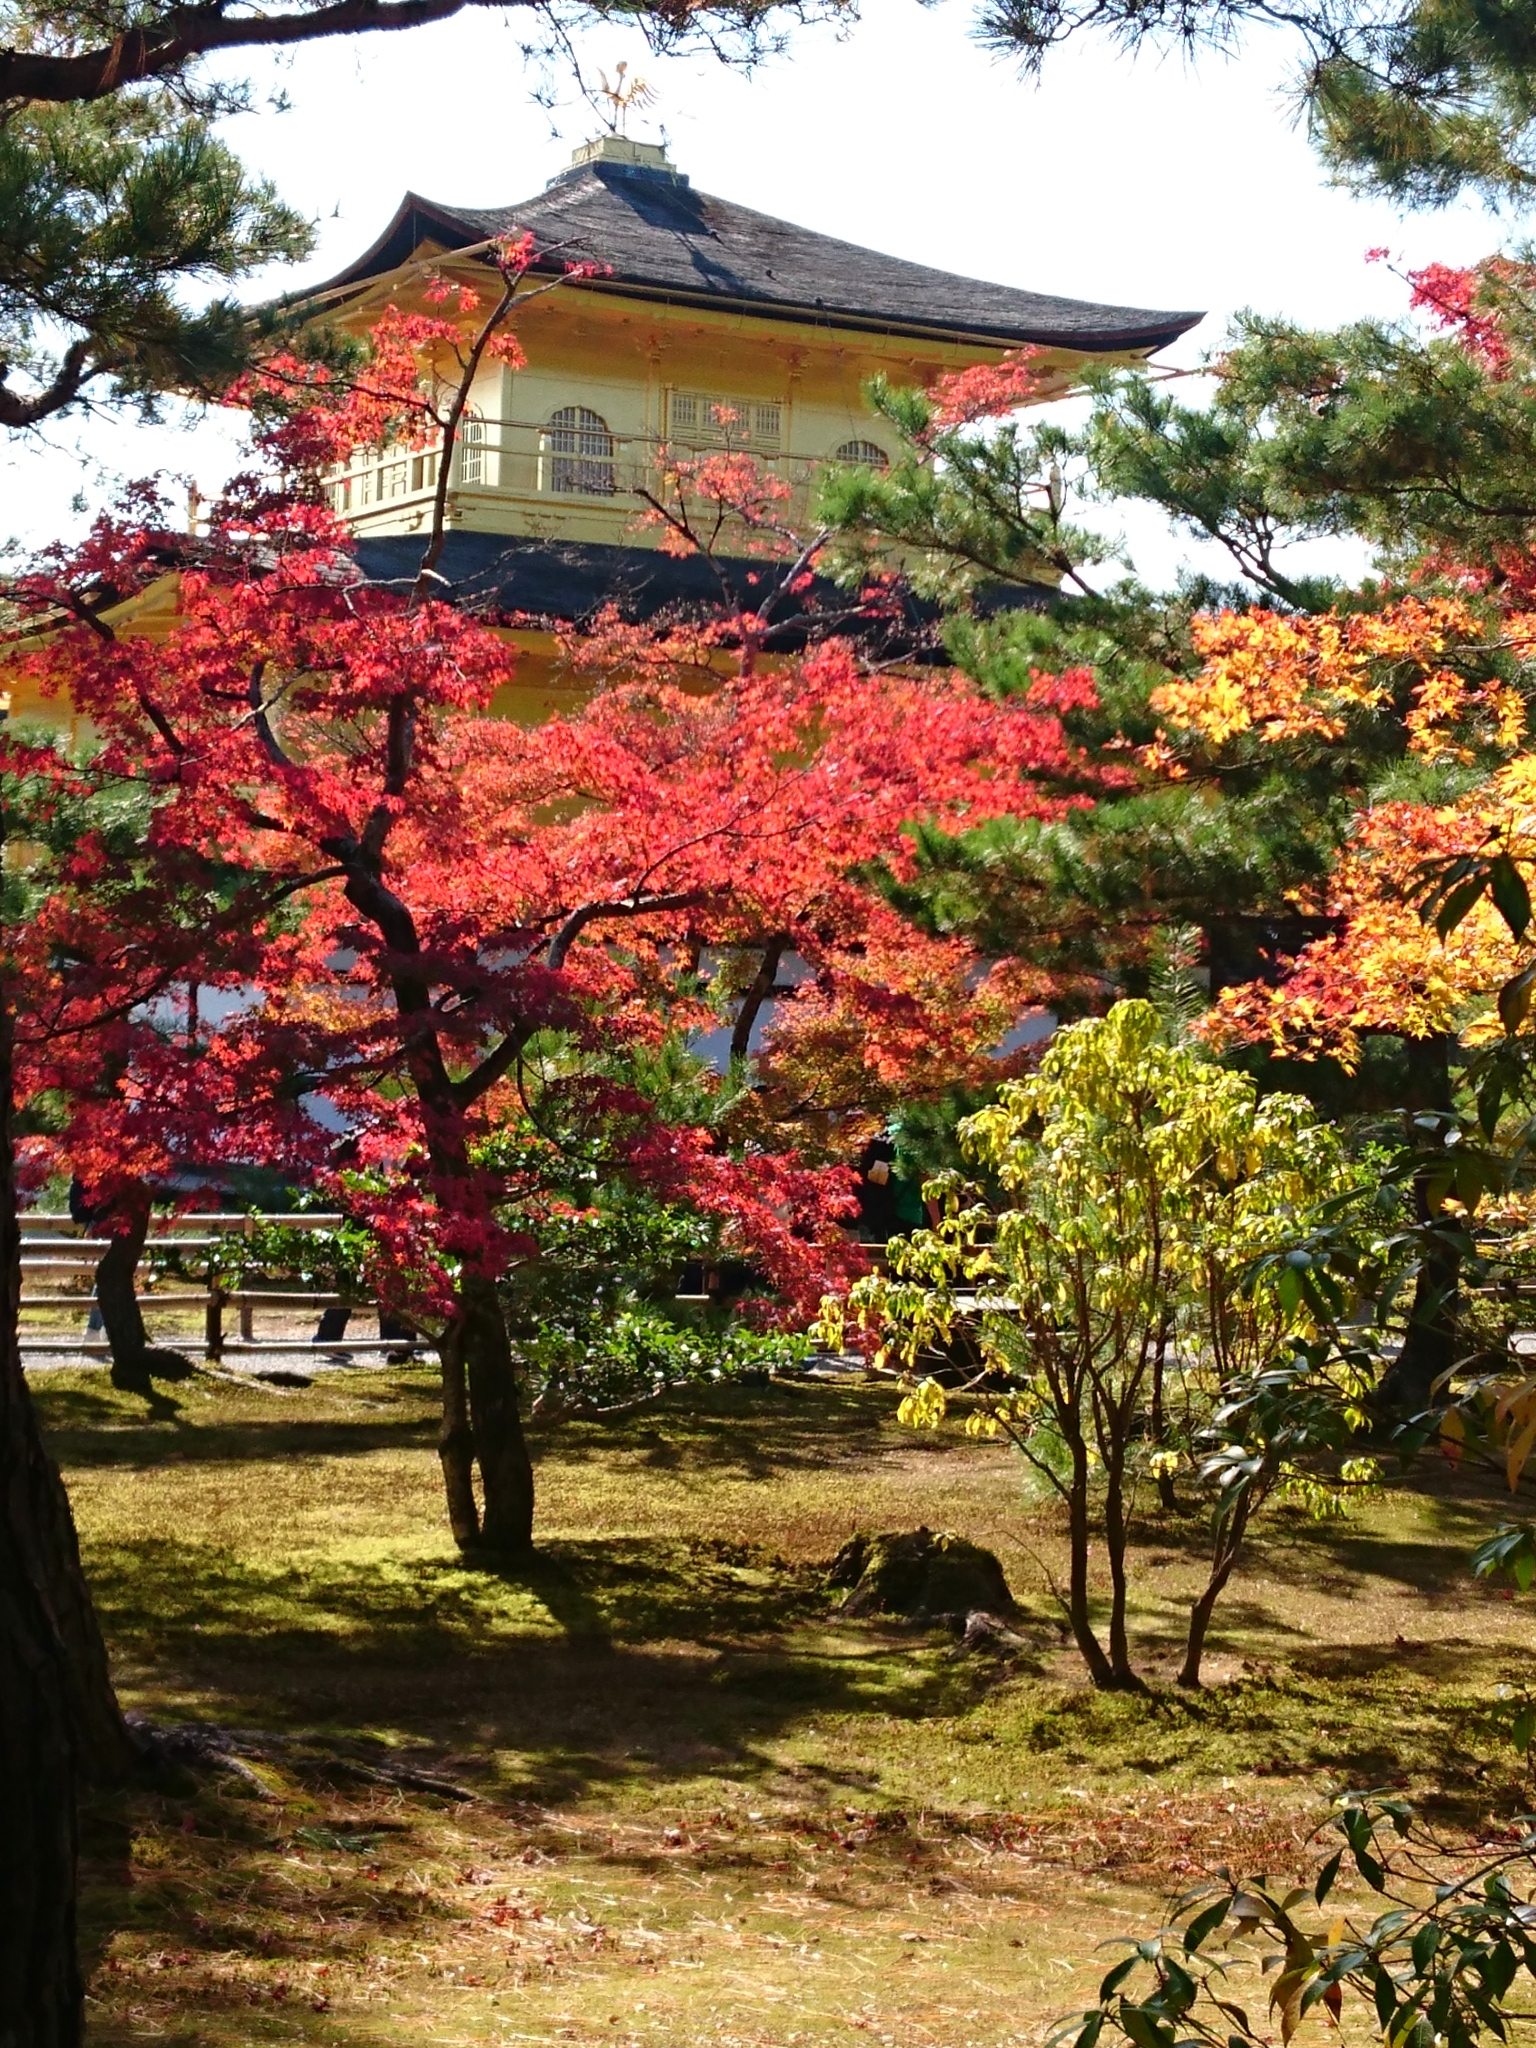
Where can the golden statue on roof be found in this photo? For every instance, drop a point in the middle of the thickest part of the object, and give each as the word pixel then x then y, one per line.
pixel 624 95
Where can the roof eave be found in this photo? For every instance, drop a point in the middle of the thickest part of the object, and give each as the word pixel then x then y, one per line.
pixel 1088 341
pixel 414 213
pixel 392 248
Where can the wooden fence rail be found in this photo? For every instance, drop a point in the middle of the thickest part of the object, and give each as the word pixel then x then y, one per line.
pixel 54 1246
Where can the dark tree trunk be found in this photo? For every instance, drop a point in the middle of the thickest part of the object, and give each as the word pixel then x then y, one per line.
pixel 481 1425
pixel 501 1449
pixel 456 1443
pixel 1229 1544
pixel 758 992
pixel 117 1293
pixel 1122 1676
pixel 134 1359
pixel 1168 1499
pixel 1429 1343
pixel 58 1717
pixel 483 1429
pixel 1089 1646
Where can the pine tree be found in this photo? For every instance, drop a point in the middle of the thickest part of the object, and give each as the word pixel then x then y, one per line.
pixel 1420 99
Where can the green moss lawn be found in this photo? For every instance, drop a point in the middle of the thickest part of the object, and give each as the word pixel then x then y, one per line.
pixel 693 1804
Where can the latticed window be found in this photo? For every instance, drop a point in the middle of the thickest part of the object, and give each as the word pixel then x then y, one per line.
pixel 471 449
pixel 869 453
pixel 580 453
pixel 711 419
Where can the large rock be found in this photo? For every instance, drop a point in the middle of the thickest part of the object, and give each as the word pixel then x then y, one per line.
pixel 922 1574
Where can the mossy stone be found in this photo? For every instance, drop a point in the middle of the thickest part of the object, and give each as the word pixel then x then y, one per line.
pixel 924 1574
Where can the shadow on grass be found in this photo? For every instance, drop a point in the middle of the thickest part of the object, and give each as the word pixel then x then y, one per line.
pixel 739 1432
pixel 1316 1720
pixel 753 1433
pixel 599 1663
pixel 1451 1513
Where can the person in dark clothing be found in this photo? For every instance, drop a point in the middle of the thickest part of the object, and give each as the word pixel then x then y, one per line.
pixel 889 1205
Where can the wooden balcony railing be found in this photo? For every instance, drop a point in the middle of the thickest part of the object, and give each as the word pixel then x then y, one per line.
pixel 521 460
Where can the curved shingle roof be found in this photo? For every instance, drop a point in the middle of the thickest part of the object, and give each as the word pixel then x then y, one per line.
pixel 661 238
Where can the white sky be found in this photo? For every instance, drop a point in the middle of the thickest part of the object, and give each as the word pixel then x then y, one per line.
pixel 1143 182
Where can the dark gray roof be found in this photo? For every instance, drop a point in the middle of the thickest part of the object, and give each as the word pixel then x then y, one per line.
pixel 556 583
pixel 661 238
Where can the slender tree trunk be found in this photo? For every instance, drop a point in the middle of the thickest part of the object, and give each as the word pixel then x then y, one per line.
pixel 134 1359
pixel 456 1444
pixel 1167 1497
pixel 758 992
pixel 1078 1529
pixel 1429 1343
pixel 483 1429
pixel 480 1411
pixel 1229 1545
pixel 1122 1675
pixel 58 1716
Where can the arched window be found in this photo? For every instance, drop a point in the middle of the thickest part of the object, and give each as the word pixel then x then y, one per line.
pixel 579 453
pixel 869 453
pixel 471 449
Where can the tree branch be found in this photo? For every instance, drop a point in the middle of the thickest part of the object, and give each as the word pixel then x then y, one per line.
pixel 496 1065
pixel 758 991
pixel 629 906
pixel 166 45
pixel 261 723
pixel 75 370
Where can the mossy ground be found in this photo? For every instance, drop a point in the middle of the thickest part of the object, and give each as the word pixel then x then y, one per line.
pixel 706 1808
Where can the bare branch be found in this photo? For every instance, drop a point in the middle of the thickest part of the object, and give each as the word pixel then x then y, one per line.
pixel 496 1065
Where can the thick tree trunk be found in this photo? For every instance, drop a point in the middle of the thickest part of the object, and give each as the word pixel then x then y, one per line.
pixel 134 1359
pixel 1408 1386
pixel 117 1294
pixel 482 1429
pixel 58 1717
pixel 456 1444
pixel 501 1449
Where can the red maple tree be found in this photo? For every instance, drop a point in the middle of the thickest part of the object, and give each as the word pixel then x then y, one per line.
pixel 392 896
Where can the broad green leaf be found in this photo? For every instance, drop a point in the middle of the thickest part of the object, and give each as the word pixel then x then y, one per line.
pixel 1457 903
pixel 1204 1925
pixel 1511 897
pixel 1143 2029
pixel 1385 1994
pixel 1515 999
pixel 1117 1976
